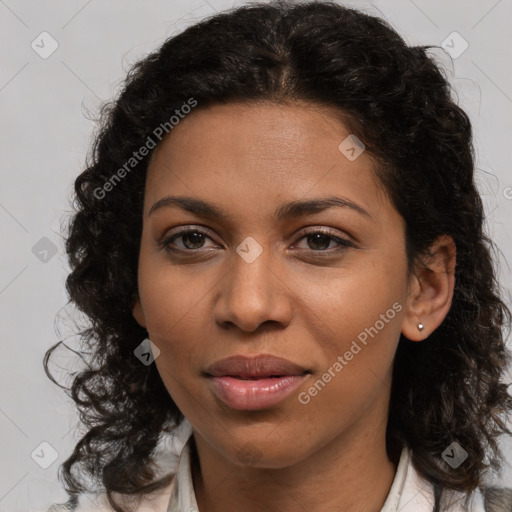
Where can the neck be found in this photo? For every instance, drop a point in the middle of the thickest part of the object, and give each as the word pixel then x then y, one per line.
pixel 353 472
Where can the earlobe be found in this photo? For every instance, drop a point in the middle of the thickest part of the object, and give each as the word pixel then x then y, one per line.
pixel 138 312
pixel 431 296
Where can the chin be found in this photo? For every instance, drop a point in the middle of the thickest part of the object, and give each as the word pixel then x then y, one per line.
pixel 262 453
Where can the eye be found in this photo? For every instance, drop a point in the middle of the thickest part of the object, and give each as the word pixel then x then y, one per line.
pixel 191 240
pixel 319 240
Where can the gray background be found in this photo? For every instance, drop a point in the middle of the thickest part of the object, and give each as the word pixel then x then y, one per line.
pixel 45 134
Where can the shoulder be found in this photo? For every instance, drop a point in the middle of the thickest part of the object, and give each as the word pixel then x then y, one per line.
pixel 497 499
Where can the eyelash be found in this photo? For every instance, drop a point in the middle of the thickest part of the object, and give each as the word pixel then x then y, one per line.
pixel 343 244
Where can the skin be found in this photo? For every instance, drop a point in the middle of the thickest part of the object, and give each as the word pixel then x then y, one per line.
pixel 201 306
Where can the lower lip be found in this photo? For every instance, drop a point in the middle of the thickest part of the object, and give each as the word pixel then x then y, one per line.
pixel 255 394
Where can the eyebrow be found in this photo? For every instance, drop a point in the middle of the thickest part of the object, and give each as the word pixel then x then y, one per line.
pixel 286 211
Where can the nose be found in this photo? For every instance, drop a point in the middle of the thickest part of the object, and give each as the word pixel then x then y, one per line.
pixel 252 294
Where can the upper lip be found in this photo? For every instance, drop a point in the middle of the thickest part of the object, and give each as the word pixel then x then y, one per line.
pixel 262 365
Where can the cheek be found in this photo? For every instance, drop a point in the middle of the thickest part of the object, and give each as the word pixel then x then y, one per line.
pixel 357 367
pixel 174 307
pixel 361 301
pixel 362 309
pixel 173 298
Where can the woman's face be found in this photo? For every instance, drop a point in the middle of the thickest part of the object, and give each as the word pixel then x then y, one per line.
pixel 253 282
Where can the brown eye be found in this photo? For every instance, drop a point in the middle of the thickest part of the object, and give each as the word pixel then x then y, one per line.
pixel 321 240
pixel 191 240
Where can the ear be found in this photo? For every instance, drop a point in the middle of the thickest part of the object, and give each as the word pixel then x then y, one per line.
pixel 430 290
pixel 138 312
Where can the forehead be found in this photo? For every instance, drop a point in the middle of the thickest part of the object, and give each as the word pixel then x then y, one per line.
pixel 251 154
pixel 277 131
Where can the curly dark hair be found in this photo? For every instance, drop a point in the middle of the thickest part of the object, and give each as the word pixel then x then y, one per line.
pixel 393 97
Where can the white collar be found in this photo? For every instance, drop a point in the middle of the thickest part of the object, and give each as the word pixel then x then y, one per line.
pixel 409 491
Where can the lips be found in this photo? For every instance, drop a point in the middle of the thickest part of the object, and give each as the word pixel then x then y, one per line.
pixel 254 383
pixel 258 367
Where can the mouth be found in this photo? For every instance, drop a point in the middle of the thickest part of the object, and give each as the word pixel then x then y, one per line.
pixel 255 383
pixel 254 393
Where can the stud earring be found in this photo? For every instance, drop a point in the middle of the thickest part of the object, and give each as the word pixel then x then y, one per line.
pixel 420 326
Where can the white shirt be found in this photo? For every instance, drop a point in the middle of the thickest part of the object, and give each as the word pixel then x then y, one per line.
pixel 409 492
